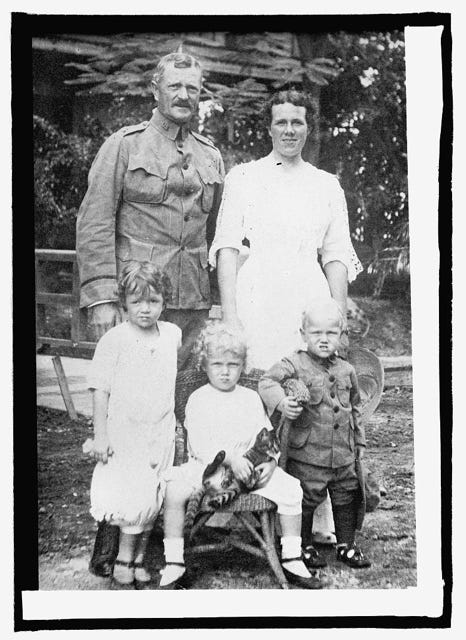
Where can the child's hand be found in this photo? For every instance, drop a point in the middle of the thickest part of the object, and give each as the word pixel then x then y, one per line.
pixel 241 467
pixel 265 470
pixel 360 452
pixel 290 407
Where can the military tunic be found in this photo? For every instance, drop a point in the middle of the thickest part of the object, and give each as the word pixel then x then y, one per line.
pixel 153 195
pixel 326 432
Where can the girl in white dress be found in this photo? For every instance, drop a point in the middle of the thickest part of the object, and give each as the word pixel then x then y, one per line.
pixel 132 377
pixel 222 415
pixel 291 213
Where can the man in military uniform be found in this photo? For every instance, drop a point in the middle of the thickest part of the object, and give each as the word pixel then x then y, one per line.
pixel 153 195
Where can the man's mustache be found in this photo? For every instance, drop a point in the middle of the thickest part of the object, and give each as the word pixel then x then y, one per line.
pixel 180 103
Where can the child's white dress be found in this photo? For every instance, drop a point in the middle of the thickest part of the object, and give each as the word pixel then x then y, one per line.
pixel 139 372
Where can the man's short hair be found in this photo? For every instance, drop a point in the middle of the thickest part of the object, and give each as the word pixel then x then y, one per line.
pixel 293 96
pixel 178 60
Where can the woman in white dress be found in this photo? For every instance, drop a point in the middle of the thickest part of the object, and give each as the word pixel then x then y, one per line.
pixel 291 213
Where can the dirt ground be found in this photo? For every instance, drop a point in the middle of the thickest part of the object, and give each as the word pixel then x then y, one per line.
pixel 66 529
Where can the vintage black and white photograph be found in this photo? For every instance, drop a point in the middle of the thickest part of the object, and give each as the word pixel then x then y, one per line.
pixel 223 298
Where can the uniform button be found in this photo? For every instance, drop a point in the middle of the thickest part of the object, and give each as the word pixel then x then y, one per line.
pixel 335 426
pixel 336 409
pixel 332 394
pixel 186 166
pixel 331 378
pixel 186 218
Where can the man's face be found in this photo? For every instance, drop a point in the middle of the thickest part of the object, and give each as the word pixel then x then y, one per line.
pixel 178 92
pixel 288 129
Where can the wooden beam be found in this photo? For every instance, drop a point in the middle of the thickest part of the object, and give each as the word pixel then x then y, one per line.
pixel 65 390
pixel 67 46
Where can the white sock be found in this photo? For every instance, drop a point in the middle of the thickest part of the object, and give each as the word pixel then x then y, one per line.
pixel 174 549
pixel 291 548
pixel 174 552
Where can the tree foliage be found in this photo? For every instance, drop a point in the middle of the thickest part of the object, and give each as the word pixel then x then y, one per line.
pixel 357 79
pixel 363 129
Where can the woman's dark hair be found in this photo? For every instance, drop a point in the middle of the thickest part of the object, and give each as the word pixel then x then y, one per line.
pixel 293 96
pixel 138 277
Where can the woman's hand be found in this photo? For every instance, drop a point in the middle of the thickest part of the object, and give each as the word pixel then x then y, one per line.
pixel 233 322
pixel 344 345
pixel 290 407
pixel 241 467
pixel 266 470
pixel 102 449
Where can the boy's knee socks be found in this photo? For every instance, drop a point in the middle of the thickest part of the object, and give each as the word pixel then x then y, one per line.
pixel 306 527
pixel 344 516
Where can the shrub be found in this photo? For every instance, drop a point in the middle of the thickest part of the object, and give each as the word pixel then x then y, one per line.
pixel 61 165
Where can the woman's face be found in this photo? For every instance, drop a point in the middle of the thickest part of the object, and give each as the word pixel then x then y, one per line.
pixel 288 129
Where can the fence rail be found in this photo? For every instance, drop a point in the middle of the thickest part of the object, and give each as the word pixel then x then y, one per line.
pixel 78 337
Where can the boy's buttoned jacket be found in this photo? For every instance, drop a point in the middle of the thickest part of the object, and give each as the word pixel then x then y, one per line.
pixel 153 195
pixel 326 432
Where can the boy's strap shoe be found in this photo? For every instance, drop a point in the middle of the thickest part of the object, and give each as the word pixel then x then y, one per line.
pixel 352 556
pixel 312 558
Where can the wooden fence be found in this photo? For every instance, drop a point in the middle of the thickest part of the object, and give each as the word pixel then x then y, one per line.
pixel 78 333
pixel 78 338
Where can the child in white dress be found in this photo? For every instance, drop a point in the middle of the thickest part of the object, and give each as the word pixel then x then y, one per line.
pixel 132 377
pixel 222 415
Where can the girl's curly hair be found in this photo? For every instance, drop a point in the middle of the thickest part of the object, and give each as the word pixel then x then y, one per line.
pixel 217 336
pixel 139 277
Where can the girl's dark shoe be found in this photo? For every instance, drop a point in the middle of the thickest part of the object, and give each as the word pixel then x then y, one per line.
pixel 312 559
pixel 352 556
pixel 180 583
pixel 300 581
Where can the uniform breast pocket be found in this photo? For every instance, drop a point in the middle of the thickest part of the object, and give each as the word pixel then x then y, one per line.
pixel 343 391
pixel 298 437
pixel 316 391
pixel 145 182
pixel 210 178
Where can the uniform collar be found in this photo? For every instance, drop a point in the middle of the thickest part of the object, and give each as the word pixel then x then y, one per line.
pixel 167 127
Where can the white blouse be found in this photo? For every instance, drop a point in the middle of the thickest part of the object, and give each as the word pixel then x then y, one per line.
pixel 285 212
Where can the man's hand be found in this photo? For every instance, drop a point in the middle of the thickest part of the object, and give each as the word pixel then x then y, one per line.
pixel 265 470
pixel 241 467
pixel 102 317
pixel 290 407
pixel 360 452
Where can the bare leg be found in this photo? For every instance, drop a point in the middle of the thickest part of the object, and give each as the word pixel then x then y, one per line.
pixel 124 574
pixel 176 497
pixel 323 526
pixel 140 573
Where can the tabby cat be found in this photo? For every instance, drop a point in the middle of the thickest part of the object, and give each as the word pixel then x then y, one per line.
pixel 219 484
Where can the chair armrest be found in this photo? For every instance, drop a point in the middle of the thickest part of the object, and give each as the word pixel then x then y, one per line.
pixel 284 432
pixel 181 449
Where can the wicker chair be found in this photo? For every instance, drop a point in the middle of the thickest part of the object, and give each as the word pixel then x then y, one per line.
pixel 255 513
